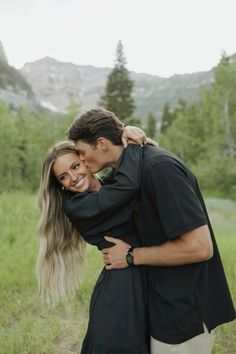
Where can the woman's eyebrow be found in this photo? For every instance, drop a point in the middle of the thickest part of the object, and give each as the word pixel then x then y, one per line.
pixel 75 163
pixel 71 166
pixel 61 174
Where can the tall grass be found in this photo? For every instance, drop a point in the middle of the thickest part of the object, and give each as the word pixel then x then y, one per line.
pixel 223 217
pixel 26 325
pixel 30 327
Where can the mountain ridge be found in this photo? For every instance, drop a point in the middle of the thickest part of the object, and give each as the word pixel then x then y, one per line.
pixel 3 56
pixel 52 84
pixel 15 91
pixel 58 83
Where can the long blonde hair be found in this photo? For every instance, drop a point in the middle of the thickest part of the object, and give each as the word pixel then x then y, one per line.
pixel 62 249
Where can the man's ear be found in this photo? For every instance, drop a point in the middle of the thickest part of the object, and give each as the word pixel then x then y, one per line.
pixel 102 144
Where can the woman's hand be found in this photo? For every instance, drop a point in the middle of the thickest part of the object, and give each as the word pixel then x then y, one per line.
pixel 133 135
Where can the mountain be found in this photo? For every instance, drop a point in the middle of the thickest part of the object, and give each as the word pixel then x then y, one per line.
pixel 152 92
pixel 56 84
pixel 2 53
pixel 15 91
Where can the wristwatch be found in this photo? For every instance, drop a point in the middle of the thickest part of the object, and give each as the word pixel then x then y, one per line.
pixel 130 256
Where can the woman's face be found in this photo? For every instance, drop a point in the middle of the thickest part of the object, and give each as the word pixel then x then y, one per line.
pixel 71 173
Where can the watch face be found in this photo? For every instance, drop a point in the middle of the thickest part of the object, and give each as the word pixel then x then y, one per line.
pixel 129 258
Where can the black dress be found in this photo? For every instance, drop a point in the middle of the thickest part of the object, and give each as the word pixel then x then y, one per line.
pixel 118 307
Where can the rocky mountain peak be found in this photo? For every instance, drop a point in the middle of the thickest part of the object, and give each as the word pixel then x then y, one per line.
pixel 15 91
pixel 56 84
pixel 2 53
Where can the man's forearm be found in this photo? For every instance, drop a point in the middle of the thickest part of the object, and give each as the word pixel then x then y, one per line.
pixel 192 247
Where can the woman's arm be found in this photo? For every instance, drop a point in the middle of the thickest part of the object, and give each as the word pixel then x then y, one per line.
pixel 110 198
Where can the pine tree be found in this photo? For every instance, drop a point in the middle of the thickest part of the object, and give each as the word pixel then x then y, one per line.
pixel 118 92
pixel 166 118
pixel 224 88
pixel 9 162
pixel 203 133
pixel 151 125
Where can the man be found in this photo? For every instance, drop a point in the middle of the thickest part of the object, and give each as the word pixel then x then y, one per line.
pixel 188 295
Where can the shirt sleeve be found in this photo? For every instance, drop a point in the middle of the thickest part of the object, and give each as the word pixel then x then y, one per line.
pixel 174 195
pixel 97 206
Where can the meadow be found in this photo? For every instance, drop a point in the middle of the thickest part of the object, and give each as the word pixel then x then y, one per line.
pixel 27 326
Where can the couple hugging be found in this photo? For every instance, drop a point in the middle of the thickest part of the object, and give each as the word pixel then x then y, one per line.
pixel 163 287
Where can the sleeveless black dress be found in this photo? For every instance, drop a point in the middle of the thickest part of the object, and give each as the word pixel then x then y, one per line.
pixel 118 307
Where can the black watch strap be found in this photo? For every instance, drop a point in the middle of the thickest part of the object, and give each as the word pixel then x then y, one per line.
pixel 130 256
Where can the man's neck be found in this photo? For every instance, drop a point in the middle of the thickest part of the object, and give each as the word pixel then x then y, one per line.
pixel 115 153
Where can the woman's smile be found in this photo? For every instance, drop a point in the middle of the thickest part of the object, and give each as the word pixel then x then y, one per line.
pixel 80 182
pixel 72 173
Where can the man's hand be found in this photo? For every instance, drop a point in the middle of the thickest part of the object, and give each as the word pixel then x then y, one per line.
pixel 115 257
pixel 133 135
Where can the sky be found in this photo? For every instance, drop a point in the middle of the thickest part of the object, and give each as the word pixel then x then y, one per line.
pixel 160 37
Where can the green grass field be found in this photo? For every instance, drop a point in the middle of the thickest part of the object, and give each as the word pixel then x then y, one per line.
pixel 30 327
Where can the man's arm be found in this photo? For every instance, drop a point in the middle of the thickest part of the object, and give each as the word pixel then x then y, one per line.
pixel 192 247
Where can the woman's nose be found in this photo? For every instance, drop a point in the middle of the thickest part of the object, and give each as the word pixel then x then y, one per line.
pixel 73 176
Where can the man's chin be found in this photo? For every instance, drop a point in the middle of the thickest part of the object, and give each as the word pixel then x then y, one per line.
pixel 93 169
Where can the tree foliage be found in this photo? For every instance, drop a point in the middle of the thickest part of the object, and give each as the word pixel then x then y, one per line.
pixel 203 134
pixel 151 126
pixel 118 91
pixel 24 140
pixel 169 116
pixel 10 77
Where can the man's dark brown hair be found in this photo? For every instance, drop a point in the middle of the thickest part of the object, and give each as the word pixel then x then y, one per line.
pixel 94 124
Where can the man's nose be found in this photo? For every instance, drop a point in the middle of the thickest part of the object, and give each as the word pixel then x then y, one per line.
pixel 82 157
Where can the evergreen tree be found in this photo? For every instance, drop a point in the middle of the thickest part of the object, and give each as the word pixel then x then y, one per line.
pixel 224 89
pixel 151 125
pixel 118 92
pixel 9 152
pixel 166 118
pixel 203 134
pixel 133 121
pixel 24 126
pixel 185 136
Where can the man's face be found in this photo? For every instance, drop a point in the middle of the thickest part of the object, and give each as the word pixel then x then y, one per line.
pixel 93 157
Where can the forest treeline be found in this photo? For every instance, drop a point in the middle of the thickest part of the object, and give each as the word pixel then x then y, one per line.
pixel 24 141
pixel 203 134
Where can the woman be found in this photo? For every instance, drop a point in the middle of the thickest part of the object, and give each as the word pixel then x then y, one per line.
pixel 117 323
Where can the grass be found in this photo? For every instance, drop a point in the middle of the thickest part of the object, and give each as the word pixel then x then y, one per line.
pixel 222 214
pixel 30 327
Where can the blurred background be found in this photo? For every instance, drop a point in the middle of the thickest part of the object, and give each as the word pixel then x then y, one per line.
pixel 166 66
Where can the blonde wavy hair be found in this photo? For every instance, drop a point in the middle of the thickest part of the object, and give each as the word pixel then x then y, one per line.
pixel 62 249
